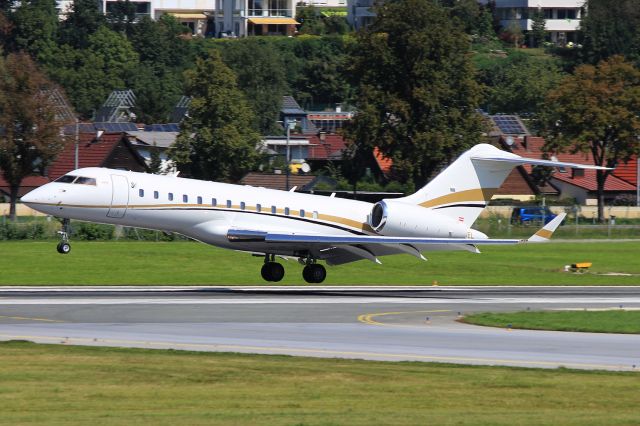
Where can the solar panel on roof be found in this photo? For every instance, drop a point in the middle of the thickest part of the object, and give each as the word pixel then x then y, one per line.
pixel 509 125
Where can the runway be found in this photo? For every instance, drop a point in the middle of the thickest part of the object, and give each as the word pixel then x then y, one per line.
pixel 377 323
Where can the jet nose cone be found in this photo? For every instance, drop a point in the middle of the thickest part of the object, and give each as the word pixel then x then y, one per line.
pixel 30 197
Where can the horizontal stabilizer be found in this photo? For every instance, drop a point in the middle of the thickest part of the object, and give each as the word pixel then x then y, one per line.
pixel 544 234
pixel 534 162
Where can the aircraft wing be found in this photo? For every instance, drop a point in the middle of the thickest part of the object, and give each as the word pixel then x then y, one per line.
pixel 339 249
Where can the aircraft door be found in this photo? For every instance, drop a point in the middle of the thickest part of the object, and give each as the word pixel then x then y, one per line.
pixel 119 197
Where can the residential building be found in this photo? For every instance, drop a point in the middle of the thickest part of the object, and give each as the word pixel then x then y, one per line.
pixel 562 17
pixel 360 13
pixel 223 18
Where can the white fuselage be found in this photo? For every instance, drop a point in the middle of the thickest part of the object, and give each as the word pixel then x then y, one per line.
pixel 206 211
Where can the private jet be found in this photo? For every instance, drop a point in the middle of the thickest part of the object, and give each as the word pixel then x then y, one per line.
pixel 285 224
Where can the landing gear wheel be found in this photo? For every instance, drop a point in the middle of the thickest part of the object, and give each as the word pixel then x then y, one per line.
pixel 63 247
pixel 314 273
pixel 272 271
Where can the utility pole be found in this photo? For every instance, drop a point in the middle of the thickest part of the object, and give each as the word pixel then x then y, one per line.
pixel 290 125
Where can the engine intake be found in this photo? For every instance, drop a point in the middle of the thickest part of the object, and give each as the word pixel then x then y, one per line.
pixel 378 217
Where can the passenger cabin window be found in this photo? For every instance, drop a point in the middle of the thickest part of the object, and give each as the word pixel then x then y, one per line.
pixel 199 200
pixel 273 210
pixel 258 208
pixel 214 202
pixel 242 205
pixel 171 196
pixel 315 215
pixel 141 192
pixel 156 194
pixel 301 213
pixel 66 179
pixel 286 211
pixel 228 204
pixel 185 198
pixel 85 181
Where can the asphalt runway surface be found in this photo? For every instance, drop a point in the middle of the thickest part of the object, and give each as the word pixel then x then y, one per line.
pixel 377 323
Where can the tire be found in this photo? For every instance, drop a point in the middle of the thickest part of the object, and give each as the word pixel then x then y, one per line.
pixel 272 271
pixel 314 274
pixel 277 271
pixel 64 248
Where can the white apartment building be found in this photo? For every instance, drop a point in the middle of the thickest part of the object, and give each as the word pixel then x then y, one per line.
pixel 223 18
pixel 562 16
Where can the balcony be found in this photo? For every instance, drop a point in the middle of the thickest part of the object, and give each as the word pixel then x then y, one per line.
pixel 268 13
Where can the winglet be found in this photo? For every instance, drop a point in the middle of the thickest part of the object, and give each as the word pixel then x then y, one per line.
pixel 544 234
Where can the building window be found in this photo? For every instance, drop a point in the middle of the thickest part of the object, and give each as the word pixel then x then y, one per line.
pixel 301 213
pixel 199 200
pixel 156 194
pixel 185 198
pixel 242 205
pixel 228 204
pixel 171 196
pixel 214 202
pixel 141 193
pixel 258 208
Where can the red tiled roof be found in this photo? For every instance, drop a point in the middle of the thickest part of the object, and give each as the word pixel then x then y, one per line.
pixel 90 153
pixel 28 183
pixel 531 147
pixel 628 171
pixel 276 181
pixel 331 147
pixel 384 163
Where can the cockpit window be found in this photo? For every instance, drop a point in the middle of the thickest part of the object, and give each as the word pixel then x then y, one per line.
pixel 79 180
pixel 85 181
pixel 66 179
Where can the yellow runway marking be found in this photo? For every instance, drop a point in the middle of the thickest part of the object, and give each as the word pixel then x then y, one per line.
pixel 311 352
pixel 368 318
pixel 29 319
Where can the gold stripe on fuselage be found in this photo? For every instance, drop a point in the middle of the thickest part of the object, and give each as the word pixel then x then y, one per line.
pixel 469 195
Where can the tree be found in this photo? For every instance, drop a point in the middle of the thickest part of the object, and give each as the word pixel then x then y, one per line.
pixel 35 25
pixel 538 27
pixel 519 83
pixel 83 19
pixel 260 74
pixel 417 93
pixel 216 141
pixel 610 27
pixel 29 127
pixel 596 110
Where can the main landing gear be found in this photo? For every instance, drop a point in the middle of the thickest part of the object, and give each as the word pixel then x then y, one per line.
pixel 313 272
pixel 63 246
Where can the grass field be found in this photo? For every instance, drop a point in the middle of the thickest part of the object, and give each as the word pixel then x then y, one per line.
pixel 613 321
pixel 175 263
pixel 47 384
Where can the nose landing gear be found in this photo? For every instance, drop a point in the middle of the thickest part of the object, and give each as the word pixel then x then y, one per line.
pixel 63 246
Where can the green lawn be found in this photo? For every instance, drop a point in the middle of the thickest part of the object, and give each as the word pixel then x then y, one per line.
pixel 612 321
pixel 48 384
pixel 174 263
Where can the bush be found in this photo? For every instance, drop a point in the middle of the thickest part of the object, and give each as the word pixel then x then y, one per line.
pixel 92 231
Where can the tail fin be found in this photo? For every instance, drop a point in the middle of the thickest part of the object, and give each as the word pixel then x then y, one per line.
pixel 464 189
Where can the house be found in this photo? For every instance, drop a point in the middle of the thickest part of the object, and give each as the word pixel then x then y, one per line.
pixel 566 183
pixel 562 17
pixel 222 18
pixel 111 150
pixel 147 141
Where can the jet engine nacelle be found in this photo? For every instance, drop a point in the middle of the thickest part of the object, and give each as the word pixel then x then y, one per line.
pixel 399 219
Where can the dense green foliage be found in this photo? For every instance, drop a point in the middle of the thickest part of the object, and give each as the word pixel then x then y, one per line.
pixel 610 321
pixel 417 95
pixel 217 140
pixel 595 110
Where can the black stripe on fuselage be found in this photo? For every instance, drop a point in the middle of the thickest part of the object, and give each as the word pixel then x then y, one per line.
pixel 302 219
pixel 481 206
